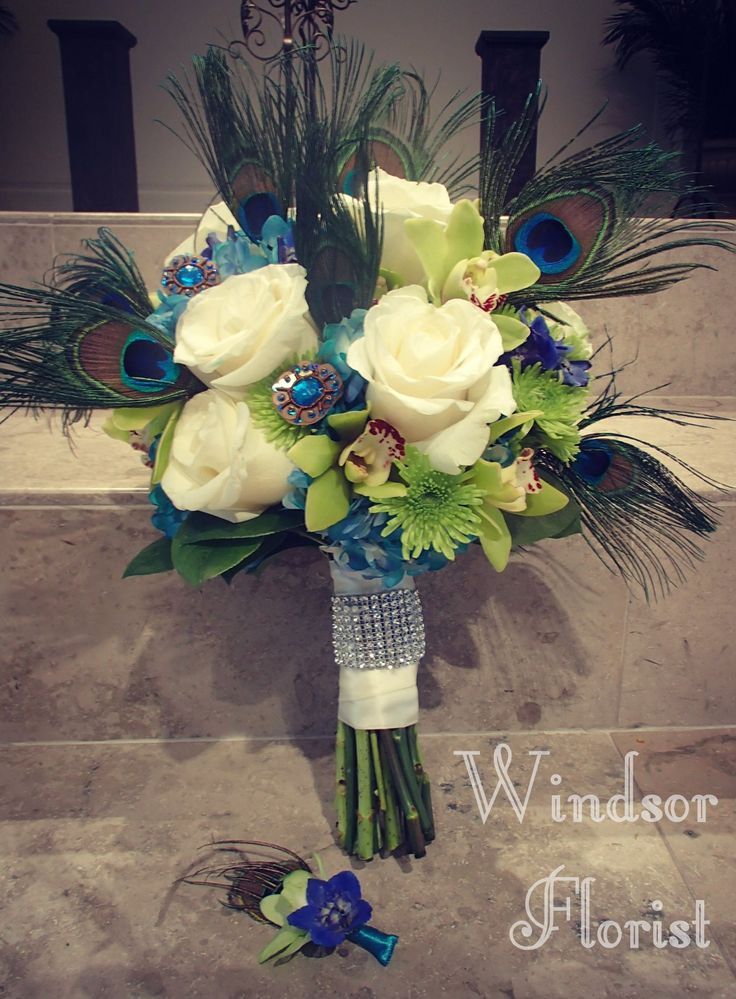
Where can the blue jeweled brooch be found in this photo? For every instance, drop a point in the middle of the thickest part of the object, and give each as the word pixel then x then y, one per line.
pixel 188 275
pixel 306 393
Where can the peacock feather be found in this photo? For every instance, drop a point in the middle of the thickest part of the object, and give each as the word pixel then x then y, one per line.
pixel 582 218
pixel 640 519
pixel 106 273
pixel 250 875
pixel 61 351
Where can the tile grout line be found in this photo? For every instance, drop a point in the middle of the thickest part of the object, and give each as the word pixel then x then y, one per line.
pixel 497 734
pixel 722 950
pixel 729 962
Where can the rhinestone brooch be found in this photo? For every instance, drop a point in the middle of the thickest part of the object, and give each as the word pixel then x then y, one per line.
pixel 306 393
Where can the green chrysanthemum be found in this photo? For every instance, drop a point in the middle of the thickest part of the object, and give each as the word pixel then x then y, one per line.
pixel 435 511
pixel 561 405
pixel 265 415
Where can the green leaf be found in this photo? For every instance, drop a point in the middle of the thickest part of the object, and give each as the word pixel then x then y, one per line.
pixel 153 558
pixel 286 938
pixel 574 527
pixel 513 331
pixel 315 454
pixel 528 530
pixel 501 427
pixel 201 527
pixel 127 419
pixel 328 500
pixel 270 546
pixel 198 562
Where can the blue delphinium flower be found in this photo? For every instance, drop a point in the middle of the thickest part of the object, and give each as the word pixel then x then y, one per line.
pixel 333 911
pixel 336 340
pixel 576 373
pixel 167 518
pixel 540 347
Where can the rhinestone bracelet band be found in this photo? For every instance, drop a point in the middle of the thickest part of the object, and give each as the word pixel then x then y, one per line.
pixel 378 631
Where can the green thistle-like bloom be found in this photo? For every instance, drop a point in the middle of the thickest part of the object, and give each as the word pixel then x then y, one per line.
pixel 437 511
pixel 265 415
pixel 562 407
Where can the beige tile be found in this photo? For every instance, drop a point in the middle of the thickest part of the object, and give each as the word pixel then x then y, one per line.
pixel 98 834
pixel 26 251
pixel 523 649
pixel 151 240
pixel 679 653
pixel 35 456
pixel 696 763
pixel 91 655
pixel 680 336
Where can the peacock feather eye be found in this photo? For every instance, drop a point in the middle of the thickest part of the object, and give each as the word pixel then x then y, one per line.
pixel 548 242
pixel 146 365
pixel 306 393
pixel 255 210
pixel 188 275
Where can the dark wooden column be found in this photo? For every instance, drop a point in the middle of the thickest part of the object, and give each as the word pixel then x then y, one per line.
pixel 95 60
pixel 510 73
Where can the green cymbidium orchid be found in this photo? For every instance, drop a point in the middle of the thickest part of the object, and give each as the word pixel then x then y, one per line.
pixel 148 422
pixel 277 909
pixel 517 489
pixel 362 454
pixel 457 266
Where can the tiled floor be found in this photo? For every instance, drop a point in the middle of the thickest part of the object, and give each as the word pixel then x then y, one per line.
pixel 140 720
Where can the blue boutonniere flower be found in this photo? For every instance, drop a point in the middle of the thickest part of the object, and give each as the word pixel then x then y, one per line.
pixel 334 909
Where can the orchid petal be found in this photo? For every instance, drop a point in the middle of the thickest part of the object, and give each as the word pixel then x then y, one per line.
pixel 515 271
pixel 513 331
pixel 315 454
pixel 328 500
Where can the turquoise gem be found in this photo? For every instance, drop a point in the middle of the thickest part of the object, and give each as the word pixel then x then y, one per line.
pixel 307 391
pixel 189 275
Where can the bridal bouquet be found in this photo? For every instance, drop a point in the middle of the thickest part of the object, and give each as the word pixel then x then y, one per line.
pixel 353 354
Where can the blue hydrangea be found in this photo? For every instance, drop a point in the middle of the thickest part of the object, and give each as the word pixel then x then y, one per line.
pixel 277 241
pixel 236 254
pixel 356 543
pixel 336 339
pixel 296 499
pixel 166 315
pixel 167 518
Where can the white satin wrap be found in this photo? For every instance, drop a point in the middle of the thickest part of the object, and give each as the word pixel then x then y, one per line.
pixel 375 698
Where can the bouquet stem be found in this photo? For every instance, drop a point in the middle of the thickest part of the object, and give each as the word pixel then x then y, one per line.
pixel 383 802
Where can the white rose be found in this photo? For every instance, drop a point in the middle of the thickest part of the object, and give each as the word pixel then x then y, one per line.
pixel 432 374
pixel 402 200
pixel 221 463
pixel 240 331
